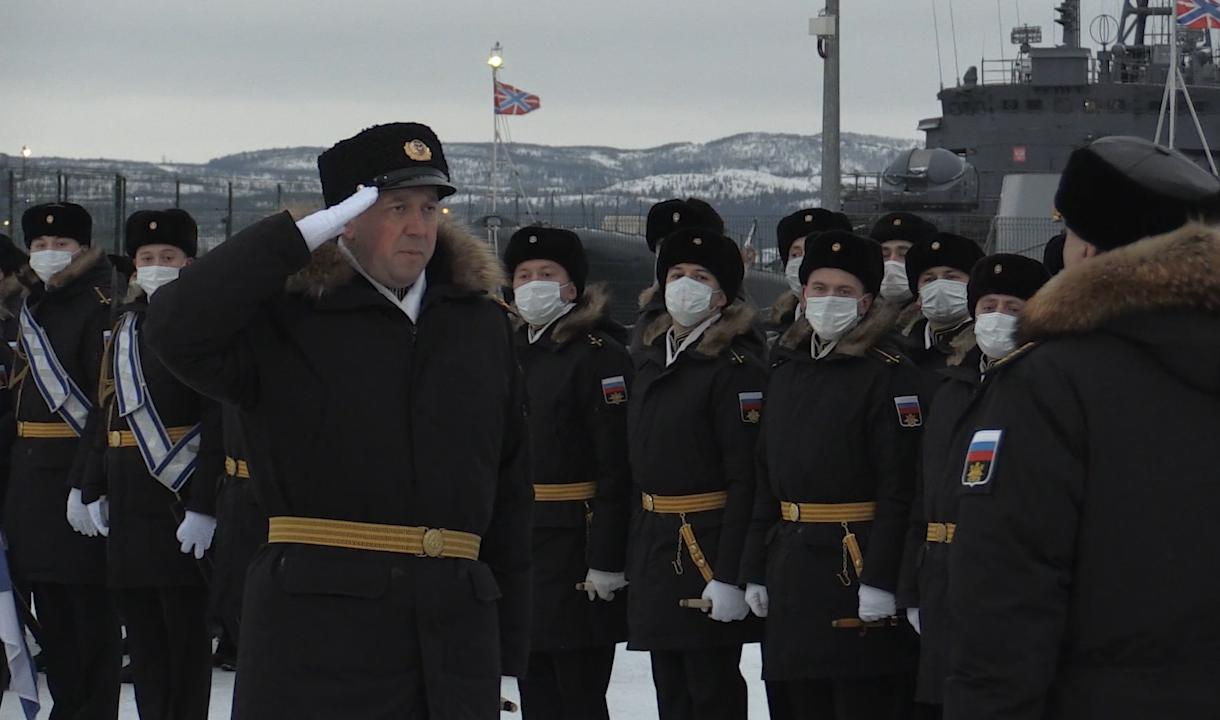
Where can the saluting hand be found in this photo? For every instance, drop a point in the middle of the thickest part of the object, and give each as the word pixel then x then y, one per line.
pixel 327 224
pixel 728 601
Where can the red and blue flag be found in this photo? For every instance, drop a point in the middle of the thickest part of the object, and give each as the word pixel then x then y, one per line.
pixel 513 101
pixel 1198 14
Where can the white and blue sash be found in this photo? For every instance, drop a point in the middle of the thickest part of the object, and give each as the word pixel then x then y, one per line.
pixel 171 464
pixel 54 384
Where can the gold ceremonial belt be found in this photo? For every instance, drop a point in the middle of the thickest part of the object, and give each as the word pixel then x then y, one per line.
pixel 560 492
pixel 941 532
pixel 421 541
pixel 127 439
pixel 828 513
pixel 44 430
pixel 678 504
pixel 237 468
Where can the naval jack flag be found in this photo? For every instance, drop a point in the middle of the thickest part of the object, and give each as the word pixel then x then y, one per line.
pixel 24 680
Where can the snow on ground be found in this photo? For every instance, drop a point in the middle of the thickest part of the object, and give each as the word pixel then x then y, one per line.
pixel 631 693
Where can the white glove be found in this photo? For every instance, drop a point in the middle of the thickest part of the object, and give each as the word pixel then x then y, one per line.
pixel 728 601
pixel 602 584
pixel 876 604
pixel 757 599
pixel 327 224
pixel 913 618
pixel 195 533
pixel 78 515
pixel 99 513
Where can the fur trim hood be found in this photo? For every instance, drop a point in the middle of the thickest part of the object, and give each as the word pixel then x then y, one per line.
pixel 461 259
pixel 961 345
pixel 737 320
pixel 589 313
pixel 877 324
pixel 11 289
pixel 1179 270
pixel 783 310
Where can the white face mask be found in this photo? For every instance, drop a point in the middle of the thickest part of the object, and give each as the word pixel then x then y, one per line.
pixel 944 301
pixel 688 301
pixel 153 277
pixel 46 263
pixel 894 285
pixel 792 273
pixel 539 301
pixel 996 334
pixel 831 316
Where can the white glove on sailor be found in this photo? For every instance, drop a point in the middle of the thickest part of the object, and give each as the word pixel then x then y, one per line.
pixel 99 513
pixel 602 584
pixel 757 599
pixel 913 618
pixel 728 601
pixel 327 224
pixel 195 533
pixel 876 604
pixel 78 515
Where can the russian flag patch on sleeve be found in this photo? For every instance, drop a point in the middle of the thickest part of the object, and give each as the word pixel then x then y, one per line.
pixel 909 413
pixel 614 390
pixel 751 404
pixel 981 458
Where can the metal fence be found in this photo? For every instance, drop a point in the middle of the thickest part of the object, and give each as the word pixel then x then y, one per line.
pixel 222 206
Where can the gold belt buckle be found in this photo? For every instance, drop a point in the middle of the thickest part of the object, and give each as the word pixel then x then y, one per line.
pixel 116 438
pixel 434 542
pixel 794 509
pixel 649 503
pixel 230 466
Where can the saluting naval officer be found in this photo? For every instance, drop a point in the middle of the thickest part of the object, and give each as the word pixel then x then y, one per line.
pixel 578 376
pixel 155 497
pixel 693 419
pixel 1085 571
pixel 833 495
pixel 377 378
pixel 62 559
pixel 999 287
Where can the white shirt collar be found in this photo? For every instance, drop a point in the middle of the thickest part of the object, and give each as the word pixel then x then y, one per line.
pixel 410 303
pixel 672 353
pixel 533 335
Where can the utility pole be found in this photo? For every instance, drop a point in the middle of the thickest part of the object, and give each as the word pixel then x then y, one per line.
pixel 826 28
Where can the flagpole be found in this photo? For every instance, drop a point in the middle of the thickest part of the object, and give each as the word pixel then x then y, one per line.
pixel 1173 78
pixel 495 61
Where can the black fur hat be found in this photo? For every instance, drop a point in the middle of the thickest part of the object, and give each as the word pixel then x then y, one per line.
pixel 669 215
pixel 391 156
pixel 846 251
pixel 12 258
pixel 543 243
pixel 701 246
pixel 1052 254
pixel 67 220
pixel 902 226
pixel 804 222
pixel 1005 274
pixel 1118 190
pixel 940 249
pixel 162 227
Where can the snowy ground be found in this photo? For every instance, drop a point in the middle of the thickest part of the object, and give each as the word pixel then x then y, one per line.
pixel 631 693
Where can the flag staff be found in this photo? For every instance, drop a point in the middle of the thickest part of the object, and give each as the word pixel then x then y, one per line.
pixel 1174 81
pixel 495 61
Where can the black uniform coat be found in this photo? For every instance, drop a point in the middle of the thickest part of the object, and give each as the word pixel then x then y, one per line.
pixel 142 550
pixel 74 310
pixel 1085 575
pixel 946 435
pixel 353 412
pixel 832 434
pixel 241 528
pixel 578 433
pixel 12 295
pixel 689 433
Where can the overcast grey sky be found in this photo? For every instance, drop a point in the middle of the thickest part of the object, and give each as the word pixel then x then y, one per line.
pixel 195 79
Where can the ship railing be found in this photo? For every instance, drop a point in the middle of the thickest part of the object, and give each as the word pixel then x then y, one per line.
pixel 1018 71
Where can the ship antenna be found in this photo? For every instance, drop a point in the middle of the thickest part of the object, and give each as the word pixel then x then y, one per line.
pixel 957 70
pixel 999 24
pixel 940 73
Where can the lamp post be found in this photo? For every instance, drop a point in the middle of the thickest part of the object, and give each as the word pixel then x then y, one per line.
pixel 495 61
pixel 25 155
